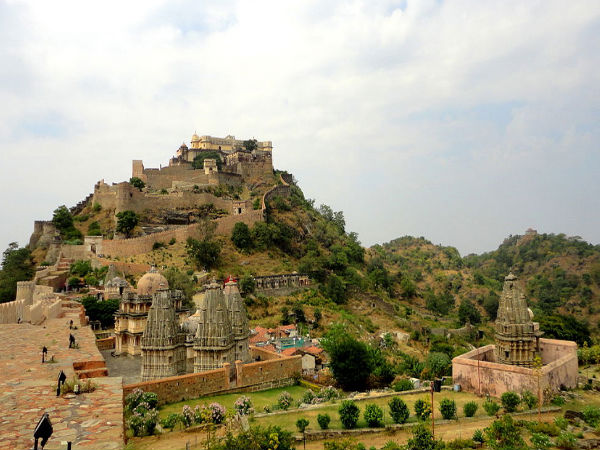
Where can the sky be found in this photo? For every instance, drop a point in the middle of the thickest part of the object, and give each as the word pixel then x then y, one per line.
pixel 460 121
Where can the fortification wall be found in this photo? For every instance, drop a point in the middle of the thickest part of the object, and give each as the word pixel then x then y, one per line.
pixel 136 246
pixel 247 377
pixel 11 312
pixel 76 252
pixel 25 291
pixel 43 234
pixel 122 267
pixel 276 191
pixel 106 344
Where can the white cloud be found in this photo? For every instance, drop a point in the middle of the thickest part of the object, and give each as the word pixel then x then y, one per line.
pixel 407 115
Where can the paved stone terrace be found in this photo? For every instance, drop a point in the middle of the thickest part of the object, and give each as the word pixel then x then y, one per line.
pixel 28 388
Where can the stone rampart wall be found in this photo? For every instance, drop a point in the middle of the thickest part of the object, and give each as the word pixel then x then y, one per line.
pixel 122 267
pixel 277 191
pixel 251 377
pixel 490 378
pixel 76 252
pixel 10 312
pixel 135 246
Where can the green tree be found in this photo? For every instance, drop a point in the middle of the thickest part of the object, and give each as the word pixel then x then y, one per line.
pixel 510 400
pixel 349 414
pixel 198 162
pixel 373 415
pixel 437 363
pixel 101 310
pixel 503 434
pixel 206 253
pixel 336 289
pixel 183 282
pixel 81 268
pixel 323 420
pixel 16 266
pixel 247 284
pixel 251 145
pixel 127 221
pixel 468 313
pixel 422 439
pixel 398 410
pixel 137 183
pixel 240 236
pixel 350 360
pixel 62 218
pixel 490 304
pixel 94 229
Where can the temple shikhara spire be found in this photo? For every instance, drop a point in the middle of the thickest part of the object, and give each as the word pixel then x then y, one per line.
pixel 517 335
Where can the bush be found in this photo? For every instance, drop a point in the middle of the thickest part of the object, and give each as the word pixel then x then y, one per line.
pixel 301 424
pixel 422 439
pixel 470 408
pixel 309 397
pixel 257 438
pixel 133 400
pixel 510 401
pixel 404 384
pixel 323 420
pixel 540 441
pixel 349 413
pixel 557 400
pixel 528 399
pixel 285 400
pixel 437 363
pixel 460 444
pixel 591 415
pixel 170 421
pixel 504 434
pixel 398 410
pixel 448 409
pixel 566 441
pixel 478 436
pixel 373 415
pixel 491 407
pixel 422 409
pixel 240 236
pixel 243 406
pixel 158 245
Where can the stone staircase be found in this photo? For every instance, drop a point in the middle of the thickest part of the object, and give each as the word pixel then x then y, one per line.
pixel 90 369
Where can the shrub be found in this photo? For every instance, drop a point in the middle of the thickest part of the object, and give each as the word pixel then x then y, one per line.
pixel 170 421
pixel 566 441
pixel 143 424
pixel 285 400
pixel 551 429
pixel 243 406
pixel 172 241
pixel 404 384
pixel 398 410
pixel 158 245
pixel 349 413
pixel 591 415
pixel 528 399
pixel 329 393
pixel 470 408
pixel 301 424
pixel 217 412
pixel 558 400
pixel 138 396
pixel 240 236
pixel 510 400
pixel 504 434
pixel 187 416
pixel 309 397
pixel 460 444
pixel 422 409
pixel 448 408
pixel 561 423
pixel 491 407
pixel 97 207
pixel 323 420
pixel 540 441
pixel 373 415
pixel 478 436
pixel 422 439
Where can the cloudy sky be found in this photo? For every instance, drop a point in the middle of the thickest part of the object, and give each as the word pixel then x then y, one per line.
pixel 460 121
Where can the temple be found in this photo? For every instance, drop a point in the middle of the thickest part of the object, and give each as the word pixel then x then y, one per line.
pixel 517 336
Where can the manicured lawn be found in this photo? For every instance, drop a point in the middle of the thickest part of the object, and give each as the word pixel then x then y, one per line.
pixel 288 420
pixel 259 400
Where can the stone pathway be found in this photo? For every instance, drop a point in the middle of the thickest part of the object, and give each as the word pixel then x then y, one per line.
pixel 28 388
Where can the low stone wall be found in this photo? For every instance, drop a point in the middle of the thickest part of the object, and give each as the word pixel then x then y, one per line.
pixel 476 371
pixel 106 344
pixel 275 372
pixel 120 266
pixel 76 252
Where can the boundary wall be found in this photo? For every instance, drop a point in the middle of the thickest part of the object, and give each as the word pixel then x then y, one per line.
pixel 477 370
pixel 135 246
pixel 277 371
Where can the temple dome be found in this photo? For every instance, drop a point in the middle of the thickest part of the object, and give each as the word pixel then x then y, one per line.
pixel 195 138
pixel 151 282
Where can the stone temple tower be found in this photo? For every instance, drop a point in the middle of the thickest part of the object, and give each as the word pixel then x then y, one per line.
pixel 163 342
pixel 517 336
pixel 213 343
pixel 239 320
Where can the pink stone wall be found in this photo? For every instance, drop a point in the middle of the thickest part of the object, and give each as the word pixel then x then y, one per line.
pixel 476 372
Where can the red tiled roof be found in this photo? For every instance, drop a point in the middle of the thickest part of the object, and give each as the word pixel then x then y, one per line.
pixel 313 350
pixel 270 348
pixel 289 351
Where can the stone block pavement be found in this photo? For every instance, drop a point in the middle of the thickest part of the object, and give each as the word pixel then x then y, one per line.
pixel 28 388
